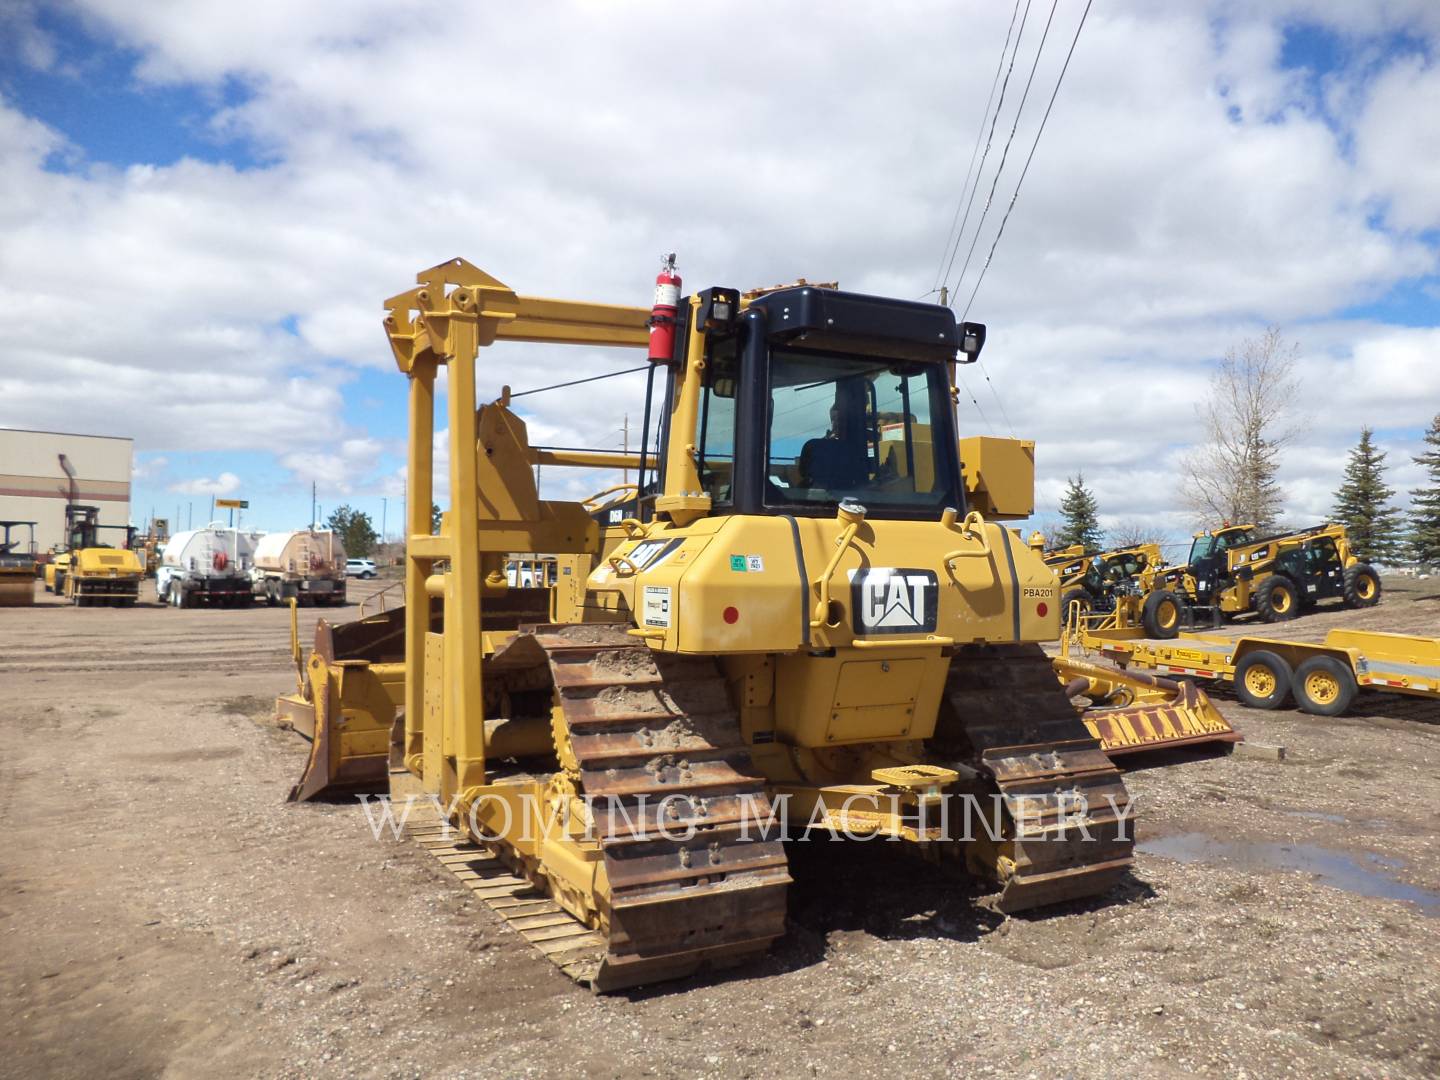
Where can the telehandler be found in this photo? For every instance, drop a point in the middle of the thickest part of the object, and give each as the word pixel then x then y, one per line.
pixel 1279 576
pixel 812 620
pixel 1096 583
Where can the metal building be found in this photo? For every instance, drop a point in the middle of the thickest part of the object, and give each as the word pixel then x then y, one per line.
pixel 42 470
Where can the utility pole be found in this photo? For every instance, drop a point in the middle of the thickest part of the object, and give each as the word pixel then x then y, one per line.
pixel 212 510
pixel 384 506
pixel 314 507
pixel 625 445
pixel 944 295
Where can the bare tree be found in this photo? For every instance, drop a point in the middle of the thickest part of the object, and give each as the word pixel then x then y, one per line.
pixel 1132 532
pixel 1249 419
pixel 1048 526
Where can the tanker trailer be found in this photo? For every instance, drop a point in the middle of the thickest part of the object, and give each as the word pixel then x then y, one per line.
pixel 209 566
pixel 308 564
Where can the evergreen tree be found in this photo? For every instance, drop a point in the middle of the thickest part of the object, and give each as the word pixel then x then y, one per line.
pixel 1424 538
pixel 435 519
pixel 1081 515
pixel 355 529
pixel 1361 504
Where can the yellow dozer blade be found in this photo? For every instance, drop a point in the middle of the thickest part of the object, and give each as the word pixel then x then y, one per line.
pixel 350 692
pixel 345 702
pixel 1133 712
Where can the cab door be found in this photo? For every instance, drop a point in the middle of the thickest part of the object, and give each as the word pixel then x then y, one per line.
pixel 1324 573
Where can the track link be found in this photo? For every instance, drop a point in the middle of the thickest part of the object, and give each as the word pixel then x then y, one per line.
pixel 658 746
pixel 561 938
pixel 1005 713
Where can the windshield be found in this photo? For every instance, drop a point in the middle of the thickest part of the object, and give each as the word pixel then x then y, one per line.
pixel 861 427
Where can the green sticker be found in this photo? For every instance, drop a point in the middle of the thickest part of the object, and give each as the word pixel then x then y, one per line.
pixel 737 563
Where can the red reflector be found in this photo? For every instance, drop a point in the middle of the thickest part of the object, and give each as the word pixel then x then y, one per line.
pixel 1042 609
pixel 732 615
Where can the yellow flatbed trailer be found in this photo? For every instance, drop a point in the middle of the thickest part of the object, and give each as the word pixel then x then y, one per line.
pixel 1323 677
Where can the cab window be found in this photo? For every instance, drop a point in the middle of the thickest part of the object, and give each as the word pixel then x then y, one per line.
pixel 855 427
pixel 716 454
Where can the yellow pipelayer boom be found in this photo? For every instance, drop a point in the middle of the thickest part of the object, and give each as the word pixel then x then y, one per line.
pixel 808 622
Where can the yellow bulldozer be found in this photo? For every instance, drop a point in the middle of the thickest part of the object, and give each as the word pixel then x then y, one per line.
pixel 89 573
pixel 809 618
pixel 1279 575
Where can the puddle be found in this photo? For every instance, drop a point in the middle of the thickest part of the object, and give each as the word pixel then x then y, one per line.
pixel 1365 876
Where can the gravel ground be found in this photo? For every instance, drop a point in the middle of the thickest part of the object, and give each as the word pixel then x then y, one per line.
pixel 163 911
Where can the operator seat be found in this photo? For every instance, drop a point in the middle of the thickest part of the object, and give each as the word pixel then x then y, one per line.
pixel 834 464
pixel 838 462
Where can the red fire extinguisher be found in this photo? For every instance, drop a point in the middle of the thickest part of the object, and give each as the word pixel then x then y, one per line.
pixel 662 315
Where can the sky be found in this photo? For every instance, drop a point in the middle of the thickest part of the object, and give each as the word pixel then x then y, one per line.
pixel 203 204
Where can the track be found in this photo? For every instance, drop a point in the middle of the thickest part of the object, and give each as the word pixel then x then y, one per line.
pixel 654 745
pixel 658 745
pixel 561 938
pixel 1005 713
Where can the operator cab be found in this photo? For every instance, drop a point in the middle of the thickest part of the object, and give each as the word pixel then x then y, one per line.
pixel 1207 556
pixel 1206 545
pixel 815 396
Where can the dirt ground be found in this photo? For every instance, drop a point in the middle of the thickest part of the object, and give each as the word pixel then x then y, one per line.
pixel 164 911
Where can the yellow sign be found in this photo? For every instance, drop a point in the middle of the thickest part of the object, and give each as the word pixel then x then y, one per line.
pixel 234 504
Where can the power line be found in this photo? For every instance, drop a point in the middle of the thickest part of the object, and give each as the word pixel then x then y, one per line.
pixel 952 237
pixel 1005 152
pixel 1030 157
pixel 989 139
pixel 965 386
pixel 577 382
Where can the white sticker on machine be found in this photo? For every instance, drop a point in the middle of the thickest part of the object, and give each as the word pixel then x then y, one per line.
pixel 655 605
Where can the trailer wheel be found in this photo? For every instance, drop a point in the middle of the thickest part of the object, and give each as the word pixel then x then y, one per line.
pixel 1276 599
pixel 1324 686
pixel 270 597
pixel 1160 615
pixel 1262 680
pixel 1362 586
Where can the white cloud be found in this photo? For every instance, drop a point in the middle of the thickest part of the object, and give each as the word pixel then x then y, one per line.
pixel 1398 142
pixel 146 468
pixel 337 470
pixel 227 483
